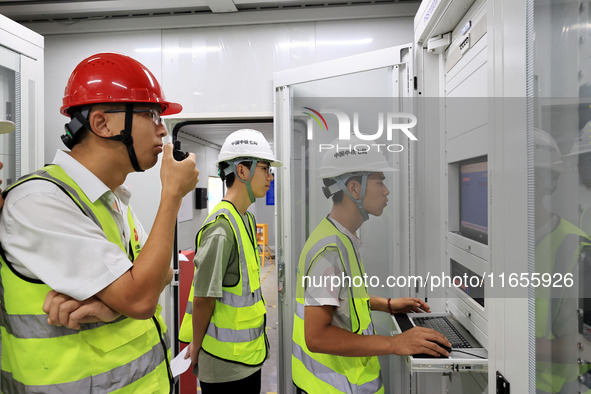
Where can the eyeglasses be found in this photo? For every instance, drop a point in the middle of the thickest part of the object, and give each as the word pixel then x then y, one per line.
pixel 155 115
pixel 265 168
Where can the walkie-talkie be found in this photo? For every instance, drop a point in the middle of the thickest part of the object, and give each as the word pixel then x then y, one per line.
pixel 177 153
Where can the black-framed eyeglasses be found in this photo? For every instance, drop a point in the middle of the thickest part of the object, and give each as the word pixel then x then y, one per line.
pixel 155 115
pixel 265 167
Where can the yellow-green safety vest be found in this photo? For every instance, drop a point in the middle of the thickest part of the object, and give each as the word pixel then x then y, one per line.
pixel 123 356
pixel 326 373
pixel 236 331
pixel 552 376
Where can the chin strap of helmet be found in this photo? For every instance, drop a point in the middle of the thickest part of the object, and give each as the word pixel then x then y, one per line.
pixel 80 120
pixel 126 138
pixel 341 185
pixel 232 168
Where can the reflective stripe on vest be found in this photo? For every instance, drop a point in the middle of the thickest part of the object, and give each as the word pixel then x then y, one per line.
pixel 114 379
pixel 236 331
pixel 44 173
pixel 233 335
pixel 332 378
pixel 233 299
pixel 127 355
pixel 318 372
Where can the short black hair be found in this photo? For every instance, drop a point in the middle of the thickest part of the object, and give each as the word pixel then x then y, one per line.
pixel 85 131
pixel 338 196
pixel 230 178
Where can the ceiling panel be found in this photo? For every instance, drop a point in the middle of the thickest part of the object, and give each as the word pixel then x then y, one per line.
pixel 39 10
pixel 216 133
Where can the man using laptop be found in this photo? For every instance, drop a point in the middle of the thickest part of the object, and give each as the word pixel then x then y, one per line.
pixel 334 346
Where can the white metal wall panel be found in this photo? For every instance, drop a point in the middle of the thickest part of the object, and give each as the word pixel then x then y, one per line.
pixel 226 70
pixel 468 77
pixel 216 69
pixel 465 116
pixel 466 129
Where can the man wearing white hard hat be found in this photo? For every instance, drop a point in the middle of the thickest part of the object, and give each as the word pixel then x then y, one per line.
pixel 335 348
pixel 226 323
pixel 558 253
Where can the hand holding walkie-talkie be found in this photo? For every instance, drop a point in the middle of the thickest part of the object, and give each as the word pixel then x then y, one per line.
pixel 177 153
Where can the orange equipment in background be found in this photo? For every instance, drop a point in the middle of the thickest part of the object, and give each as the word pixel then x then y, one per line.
pixel 263 242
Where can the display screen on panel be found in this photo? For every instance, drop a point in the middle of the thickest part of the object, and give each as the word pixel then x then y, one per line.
pixel 474 199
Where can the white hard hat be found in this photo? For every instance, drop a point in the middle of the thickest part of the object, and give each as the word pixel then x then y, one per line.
pixel 350 157
pixel 546 151
pixel 247 143
pixel 6 126
pixel 353 158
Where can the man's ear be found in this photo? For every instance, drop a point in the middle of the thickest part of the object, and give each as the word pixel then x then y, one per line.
pixel 354 188
pixel 241 171
pixel 99 123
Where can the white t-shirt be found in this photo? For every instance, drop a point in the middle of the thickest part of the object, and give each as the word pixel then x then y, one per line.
pixel 46 236
pixel 328 264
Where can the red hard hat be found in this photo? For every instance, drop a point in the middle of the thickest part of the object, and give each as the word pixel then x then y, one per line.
pixel 114 78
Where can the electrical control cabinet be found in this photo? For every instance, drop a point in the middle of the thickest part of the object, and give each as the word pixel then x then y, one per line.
pixel 21 100
pixel 466 191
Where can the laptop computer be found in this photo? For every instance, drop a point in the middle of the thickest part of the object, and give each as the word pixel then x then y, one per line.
pixel 467 354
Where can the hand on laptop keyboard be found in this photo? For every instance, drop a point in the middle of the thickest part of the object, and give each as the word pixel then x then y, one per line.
pixel 420 340
pixel 442 324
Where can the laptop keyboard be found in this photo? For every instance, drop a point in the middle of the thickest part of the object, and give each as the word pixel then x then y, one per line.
pixel 443 325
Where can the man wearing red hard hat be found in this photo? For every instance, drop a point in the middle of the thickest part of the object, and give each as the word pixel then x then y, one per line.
pixel 80 276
